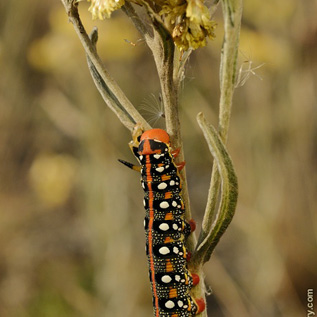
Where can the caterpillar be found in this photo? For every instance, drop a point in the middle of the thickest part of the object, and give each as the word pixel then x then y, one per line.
pixel 165 226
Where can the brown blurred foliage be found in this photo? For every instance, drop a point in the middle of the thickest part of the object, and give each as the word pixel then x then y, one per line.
pixel 71 234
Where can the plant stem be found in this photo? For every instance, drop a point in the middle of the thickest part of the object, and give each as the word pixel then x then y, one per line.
pixel 72 10
pixel 232 12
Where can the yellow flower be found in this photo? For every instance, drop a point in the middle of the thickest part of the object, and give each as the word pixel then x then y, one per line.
pixel 189 22
pixel 101 9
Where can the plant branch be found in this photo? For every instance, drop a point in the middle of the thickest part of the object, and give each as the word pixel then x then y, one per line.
pixel 106 85
pixel 164 59
pixel 226 206
pixel 110 99
pixel 232 11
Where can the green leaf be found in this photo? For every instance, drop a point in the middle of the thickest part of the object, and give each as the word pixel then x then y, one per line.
pixel 228 196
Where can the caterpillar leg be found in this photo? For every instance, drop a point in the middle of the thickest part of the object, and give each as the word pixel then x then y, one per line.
pixel 175 152
pixel 189 227
pixel 136 135
pixel 180 165
pixel 201 305
pixel 196 278
pixel 192 224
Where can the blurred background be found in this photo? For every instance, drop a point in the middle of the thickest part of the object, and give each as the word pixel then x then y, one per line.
pixel 71 217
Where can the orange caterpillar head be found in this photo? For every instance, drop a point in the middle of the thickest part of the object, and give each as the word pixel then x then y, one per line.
pixel 156 134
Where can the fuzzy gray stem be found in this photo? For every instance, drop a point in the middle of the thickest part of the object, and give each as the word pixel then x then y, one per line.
pixel 170 91
pixel 232 12
pixel 72 11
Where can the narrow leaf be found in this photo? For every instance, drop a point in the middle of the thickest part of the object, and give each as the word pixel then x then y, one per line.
pixel 228 197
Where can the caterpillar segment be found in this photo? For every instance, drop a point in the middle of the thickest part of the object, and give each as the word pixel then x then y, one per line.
pixel 166 229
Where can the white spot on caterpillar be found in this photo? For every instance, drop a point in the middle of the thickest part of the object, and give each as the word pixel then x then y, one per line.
pixel 141 157
pixel 180 303
pixel 166 279
pixel 175 250
pixel 157 156
pixel 174 203
pixel 169 304
pixel 164 226
pixel 164 204
pixel 177 278
pixel 167 166
pixel 162 186
pixel 175 226
pixel 164 250
pixel 160 169
pixel 172 183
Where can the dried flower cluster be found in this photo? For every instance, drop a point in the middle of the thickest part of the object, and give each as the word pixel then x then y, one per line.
pixel 101 9
pixel 188 20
